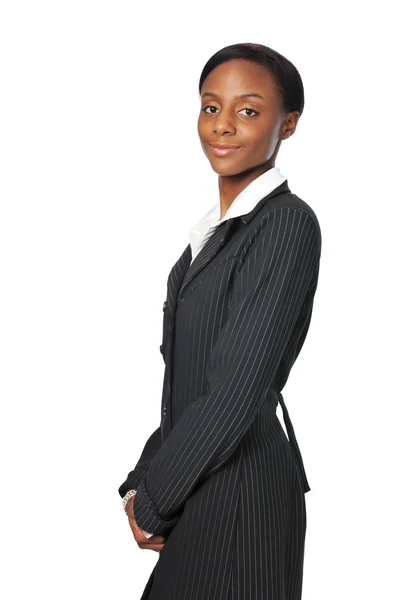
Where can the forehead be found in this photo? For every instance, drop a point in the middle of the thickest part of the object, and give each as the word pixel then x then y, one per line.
pixel 237 77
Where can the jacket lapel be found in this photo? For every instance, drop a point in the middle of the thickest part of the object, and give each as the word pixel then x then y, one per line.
pixel 184 271
pixel 212 247
pixel 218 239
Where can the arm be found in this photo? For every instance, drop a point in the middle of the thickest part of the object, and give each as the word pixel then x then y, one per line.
pixel 272 278
pixel 150 449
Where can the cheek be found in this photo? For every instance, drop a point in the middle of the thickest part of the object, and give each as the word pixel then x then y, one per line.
pixel 257 143
pixel 199 129
pixel 263 138
pixel 202 127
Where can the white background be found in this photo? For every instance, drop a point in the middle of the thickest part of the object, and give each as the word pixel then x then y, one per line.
pixel 102 176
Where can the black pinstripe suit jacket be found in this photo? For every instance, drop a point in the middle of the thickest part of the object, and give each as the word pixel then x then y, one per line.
pixel 234 323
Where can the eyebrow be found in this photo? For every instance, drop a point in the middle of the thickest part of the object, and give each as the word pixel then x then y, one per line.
pixel 242 96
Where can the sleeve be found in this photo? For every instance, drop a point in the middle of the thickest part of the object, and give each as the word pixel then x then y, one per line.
pixel 150 449
pixel 272 277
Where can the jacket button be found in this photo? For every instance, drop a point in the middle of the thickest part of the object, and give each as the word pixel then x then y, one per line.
pixel 164 305
pixel 161 348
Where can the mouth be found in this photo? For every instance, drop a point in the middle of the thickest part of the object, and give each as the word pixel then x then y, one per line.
pixel 223 149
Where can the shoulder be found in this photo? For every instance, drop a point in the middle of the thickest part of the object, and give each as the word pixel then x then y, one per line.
pixel 283 221
pixel 288 204
pixel 290 210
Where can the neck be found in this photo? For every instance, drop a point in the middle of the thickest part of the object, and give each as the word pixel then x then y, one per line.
pixel 230 186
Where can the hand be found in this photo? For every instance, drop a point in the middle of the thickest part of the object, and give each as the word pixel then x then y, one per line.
pixel 155 542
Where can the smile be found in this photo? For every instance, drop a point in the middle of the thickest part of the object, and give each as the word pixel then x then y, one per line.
pixel 223 151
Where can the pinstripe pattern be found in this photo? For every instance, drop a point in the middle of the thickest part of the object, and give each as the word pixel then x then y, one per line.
pixel 219 477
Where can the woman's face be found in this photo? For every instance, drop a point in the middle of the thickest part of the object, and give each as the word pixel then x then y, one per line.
pixel 256 125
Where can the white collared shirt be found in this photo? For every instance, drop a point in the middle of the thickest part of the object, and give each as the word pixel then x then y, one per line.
pixel 244 202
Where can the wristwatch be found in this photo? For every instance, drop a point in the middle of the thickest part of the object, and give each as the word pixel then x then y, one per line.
pixel 127 497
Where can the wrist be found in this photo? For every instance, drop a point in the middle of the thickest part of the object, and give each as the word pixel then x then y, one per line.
pixel 127 497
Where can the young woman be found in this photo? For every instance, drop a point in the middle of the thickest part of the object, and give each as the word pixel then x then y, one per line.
pixel 219 487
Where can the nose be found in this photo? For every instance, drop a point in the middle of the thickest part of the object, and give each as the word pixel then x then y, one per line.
pixel 223 123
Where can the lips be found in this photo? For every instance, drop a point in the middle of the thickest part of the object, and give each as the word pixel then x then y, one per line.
pixel 223 149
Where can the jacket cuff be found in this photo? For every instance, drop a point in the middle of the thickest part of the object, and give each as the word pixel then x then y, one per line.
pixel 131 483
pixel 146 513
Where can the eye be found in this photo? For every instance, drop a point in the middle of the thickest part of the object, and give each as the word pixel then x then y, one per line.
pixel 250 109
pixel 209 106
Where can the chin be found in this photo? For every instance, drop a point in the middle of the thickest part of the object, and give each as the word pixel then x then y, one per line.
pixel 227 170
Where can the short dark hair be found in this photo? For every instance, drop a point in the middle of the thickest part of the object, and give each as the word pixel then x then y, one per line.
pixel 285 75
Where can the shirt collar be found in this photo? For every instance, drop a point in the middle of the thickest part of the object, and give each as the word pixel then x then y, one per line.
pixel 244 202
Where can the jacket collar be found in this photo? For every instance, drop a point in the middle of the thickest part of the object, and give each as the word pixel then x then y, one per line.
pixel 283 188
pixel 188 270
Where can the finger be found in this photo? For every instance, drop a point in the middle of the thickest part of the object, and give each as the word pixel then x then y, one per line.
pixel 145 542
pixel 156 547
pixel 153 540
pixel 141 537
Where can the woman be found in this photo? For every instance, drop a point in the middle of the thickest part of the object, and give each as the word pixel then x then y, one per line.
pixel 219 487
